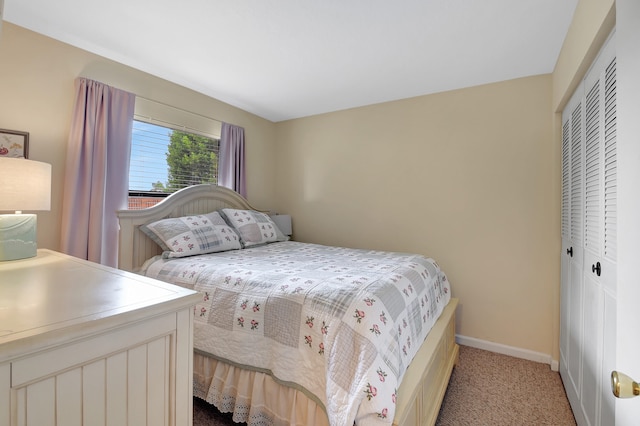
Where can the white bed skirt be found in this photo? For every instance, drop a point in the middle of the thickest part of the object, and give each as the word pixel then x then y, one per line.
pixel 253 397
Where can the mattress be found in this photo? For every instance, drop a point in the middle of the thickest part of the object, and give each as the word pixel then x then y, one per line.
pixel 339 324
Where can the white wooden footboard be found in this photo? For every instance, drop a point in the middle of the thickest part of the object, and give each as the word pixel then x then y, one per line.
pixel 425 381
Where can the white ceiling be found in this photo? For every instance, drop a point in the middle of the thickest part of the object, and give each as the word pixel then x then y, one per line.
pixel 283 59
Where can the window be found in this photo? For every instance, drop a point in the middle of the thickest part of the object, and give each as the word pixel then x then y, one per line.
pixel 160 166
pixel 165 159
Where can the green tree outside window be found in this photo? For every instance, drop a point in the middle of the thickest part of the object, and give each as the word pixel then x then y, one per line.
pixel 191 159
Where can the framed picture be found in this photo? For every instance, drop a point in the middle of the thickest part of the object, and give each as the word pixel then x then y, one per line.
pixel 14 144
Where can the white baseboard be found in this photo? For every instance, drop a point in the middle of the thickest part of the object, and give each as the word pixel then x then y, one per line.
pixel 508 350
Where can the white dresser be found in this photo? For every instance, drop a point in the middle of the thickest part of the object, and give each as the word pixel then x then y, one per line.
pixel 85 344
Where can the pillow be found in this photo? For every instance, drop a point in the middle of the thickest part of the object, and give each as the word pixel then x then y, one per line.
pixel 253 227
pixel 191 235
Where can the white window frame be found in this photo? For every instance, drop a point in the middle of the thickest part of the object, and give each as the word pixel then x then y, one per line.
pixel 171 118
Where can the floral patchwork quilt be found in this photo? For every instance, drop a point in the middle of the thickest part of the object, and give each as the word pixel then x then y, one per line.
pixel 342 324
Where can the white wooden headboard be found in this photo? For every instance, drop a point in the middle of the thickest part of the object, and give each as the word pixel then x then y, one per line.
pixel 135 247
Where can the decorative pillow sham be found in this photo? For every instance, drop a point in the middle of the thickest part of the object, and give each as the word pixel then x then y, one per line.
pixel 191 235
pixel 253 227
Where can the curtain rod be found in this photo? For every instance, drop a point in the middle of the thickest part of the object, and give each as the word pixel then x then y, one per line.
pixel 179 109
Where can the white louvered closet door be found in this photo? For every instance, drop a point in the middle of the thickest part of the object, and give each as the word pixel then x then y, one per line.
pixel 588 315
pixel 572 252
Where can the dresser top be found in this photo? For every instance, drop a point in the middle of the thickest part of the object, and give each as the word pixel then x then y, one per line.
pixel 53 291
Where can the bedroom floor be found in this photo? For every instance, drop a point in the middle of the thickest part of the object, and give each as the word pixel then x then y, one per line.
pixel 485 389
pixel 493 389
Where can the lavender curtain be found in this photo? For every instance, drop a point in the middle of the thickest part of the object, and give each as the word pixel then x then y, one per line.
pixel 97 171
pixel 231 167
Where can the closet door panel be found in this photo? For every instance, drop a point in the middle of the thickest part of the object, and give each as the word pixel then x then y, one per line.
pixel 567 249
pixel 565 272
pixel 607 404
pixel 592 347
pixel 609 251
pixel 592 171
pixel 572 253
pixel 589 239
pixel 574 363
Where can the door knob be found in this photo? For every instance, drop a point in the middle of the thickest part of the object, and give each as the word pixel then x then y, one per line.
pixel 623 386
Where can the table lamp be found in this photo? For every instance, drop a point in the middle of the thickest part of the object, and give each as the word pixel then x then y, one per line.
pixel 24 185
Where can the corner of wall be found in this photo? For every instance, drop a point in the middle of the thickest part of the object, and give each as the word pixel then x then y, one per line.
pixel 592 23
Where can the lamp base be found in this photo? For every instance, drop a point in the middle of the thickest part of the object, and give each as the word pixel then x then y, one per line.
pixel 18 236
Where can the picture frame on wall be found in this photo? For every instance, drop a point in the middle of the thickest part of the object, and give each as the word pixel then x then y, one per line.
pixel 14 144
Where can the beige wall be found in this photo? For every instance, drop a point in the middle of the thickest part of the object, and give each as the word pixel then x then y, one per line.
pixel 36 95
pixel 462 176
pixel 592 23
pixel 470 177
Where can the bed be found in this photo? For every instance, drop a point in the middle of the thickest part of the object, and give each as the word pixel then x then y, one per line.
pixel 282 387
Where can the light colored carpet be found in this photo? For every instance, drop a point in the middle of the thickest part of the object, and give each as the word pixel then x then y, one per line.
pixel 493 390
pixel 486 389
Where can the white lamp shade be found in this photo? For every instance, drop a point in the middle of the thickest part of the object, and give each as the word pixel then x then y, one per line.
pixel 24 184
